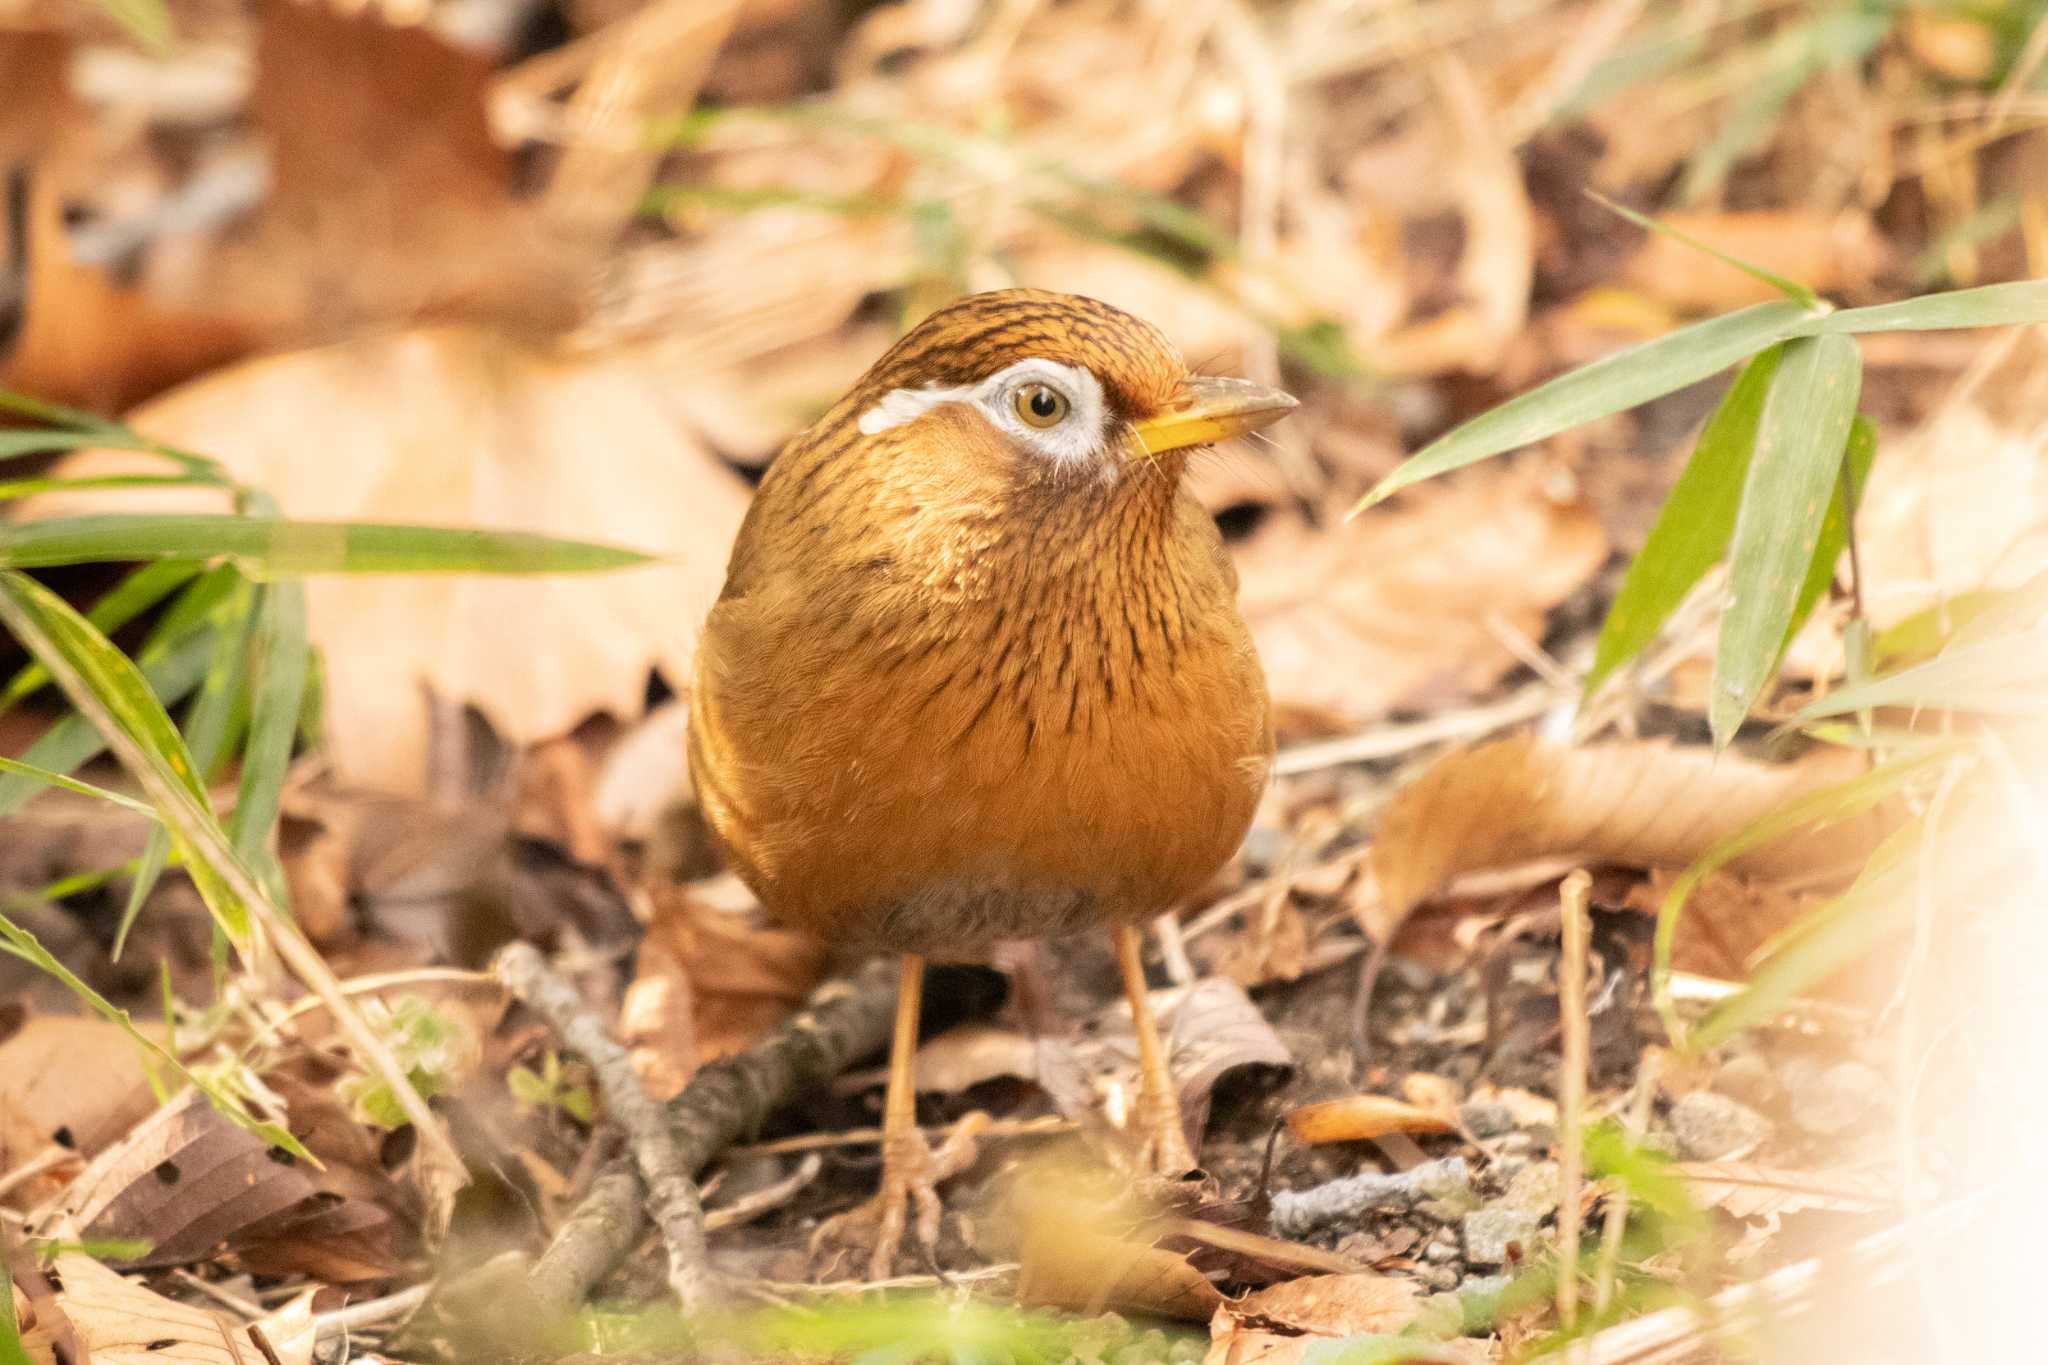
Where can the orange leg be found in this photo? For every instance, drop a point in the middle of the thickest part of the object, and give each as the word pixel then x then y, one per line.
pixel 1166 1145
pixel 911 1170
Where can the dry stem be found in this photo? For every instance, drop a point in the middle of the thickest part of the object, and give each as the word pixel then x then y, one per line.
pixel 1571 1091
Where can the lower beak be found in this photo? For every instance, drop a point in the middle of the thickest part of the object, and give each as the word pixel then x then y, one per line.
pixel 1212 410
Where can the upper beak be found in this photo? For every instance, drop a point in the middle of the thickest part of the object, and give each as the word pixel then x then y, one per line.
pixel 1212 410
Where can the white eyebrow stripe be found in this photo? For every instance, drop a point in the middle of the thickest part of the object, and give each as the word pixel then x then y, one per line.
pixel 907 405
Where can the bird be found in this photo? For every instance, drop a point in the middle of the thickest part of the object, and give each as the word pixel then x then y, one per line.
pixel 977 673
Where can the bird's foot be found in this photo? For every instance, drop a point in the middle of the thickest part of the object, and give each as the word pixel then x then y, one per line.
pixel 911 1172
pixel 1162 1140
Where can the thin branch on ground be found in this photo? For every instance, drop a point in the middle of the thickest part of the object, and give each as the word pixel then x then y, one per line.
pixel 1571 1090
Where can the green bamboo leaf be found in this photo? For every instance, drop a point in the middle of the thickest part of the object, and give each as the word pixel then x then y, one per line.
pixel 156 854
pixel 278 692
pixel 109 690
pixel 1610 384
pixel 1790 288
pixel 128 599
pixel 44 777
pixel 1991 305
pixel 1692 530
pixel 1816 810
pixel 14 489
pixel 72 741
pixel 1990 676
pixel 26 946
pixel 210 718
pixel 276 547
pixel 1800 441
pixel 1834 528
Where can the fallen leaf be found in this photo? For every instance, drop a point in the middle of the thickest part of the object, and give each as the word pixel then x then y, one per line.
pixel 1643 804
pixel 1529 1109
pixel 1074 1258
pixel 1829 253
pixel 1360 1117
pixel 72 1080
pixel 465 427
pixel 745 975
pixel 119 1322
pixel 656 1020
pixel 1413 603
pixel 1743 1190
pixel 1727 918
pixel 1279 1324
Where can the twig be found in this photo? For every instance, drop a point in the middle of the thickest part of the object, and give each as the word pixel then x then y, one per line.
pixel 1298 1212
pixel 845 1020
pixel 595 1236
pixel 48 1159
pixel 1615 1225
pixel 674 1203
pixel 1571 1091
pixel 1049 1125
pixel 369 1313
pixel 1388 741
pixel 749 1207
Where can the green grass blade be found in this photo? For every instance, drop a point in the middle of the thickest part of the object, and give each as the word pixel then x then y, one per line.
pixel 44 777
pixel 278 692
pixel 72 741
pixel 14 489
pixel 210 720
pixel 274 547
pixel 1693 529
pixel 26 946
pixel 156 855
pixel 57 415
pixel 1991 305
pixel 1834 528
pixel 1611 384
pixel 128 599
pixel 111 692
pixel 1996 677
pixel 1800 441
pixel 1790 288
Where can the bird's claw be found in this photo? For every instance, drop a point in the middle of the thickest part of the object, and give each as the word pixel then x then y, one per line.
pixel 911 1172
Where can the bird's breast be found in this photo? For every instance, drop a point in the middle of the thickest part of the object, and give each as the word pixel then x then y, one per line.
pixel 1011 741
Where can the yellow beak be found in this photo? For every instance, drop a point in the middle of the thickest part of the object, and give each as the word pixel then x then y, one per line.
pixel 1212 410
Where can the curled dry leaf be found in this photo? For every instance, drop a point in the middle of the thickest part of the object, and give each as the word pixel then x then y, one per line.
pixel 74 1081
pixel 121 1323
pixel 1359 1117
pixel 465 427
pixel 1279 1324
pixel 1210 1028
pixel 1743 1190
pixel 1647 804
pixel 1412 603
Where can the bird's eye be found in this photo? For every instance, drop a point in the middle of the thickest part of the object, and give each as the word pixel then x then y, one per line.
pixel 1040 405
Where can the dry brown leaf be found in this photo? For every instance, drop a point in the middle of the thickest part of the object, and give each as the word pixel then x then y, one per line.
pixel 121 1323
pixel 79 1078
pixel 1829 252
pixel 464 427
pixel 1069 1265
pixel 1727 918
pixel 1647 804
pixel 1743 1190
pixel 745 976
pixel 1529 1109
pixel 1359 1117
pixel 1411 603
pixel 656 1020
pixel 1279 1324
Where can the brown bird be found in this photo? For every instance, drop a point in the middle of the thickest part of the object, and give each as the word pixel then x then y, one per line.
pixel 978 671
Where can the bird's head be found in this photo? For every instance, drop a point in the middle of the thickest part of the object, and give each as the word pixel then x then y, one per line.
pixel 1060 383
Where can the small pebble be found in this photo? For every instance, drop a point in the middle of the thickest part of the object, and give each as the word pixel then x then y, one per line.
pixel 1748 1079
pixel 1490 1232
pixel 1439 1277
pixel 1838 1099
pixel 1534 1189
pixel 1486 1118
pixel 1711 1127
pixel 1442 1249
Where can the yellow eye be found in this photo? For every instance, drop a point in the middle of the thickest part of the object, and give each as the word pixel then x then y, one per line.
pixel 1040 405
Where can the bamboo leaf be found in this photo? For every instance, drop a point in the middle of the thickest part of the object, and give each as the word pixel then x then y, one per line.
pixel 1693 529
pixel 44 777
pixel 1834 528
pixel 1991 305
pixel 278 692
pixel 128 599
pixel 1801 437
pixel 276 547
pixel 1996 677
pixel 1611 384
pixel 156 854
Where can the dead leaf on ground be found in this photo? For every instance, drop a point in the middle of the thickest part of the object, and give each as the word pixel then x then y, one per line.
pixel 1828 252
pixel 1412 603
pixel 1076 1255
pixel 73 1080
pixel 745 976
pixel 657 1020
pixel 1647 804
pixel 464 427
pixel 1359 1117
pixel 1743 1190
pixel 1727 918
pixel 1278 1325
pixel 119 1322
